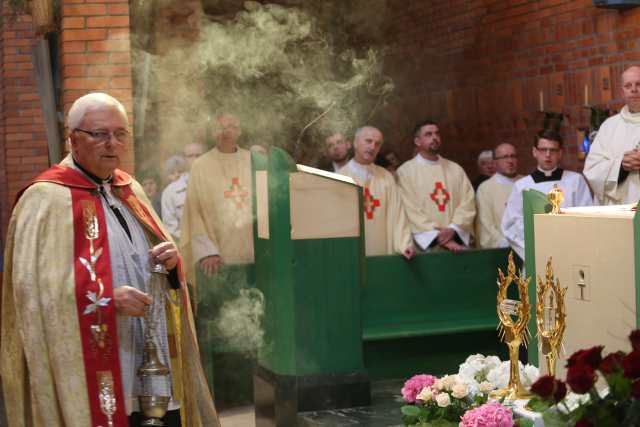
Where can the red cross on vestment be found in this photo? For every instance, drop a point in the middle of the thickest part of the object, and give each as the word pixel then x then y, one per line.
pixel 236 193
pixel 440 196
pixel 370 203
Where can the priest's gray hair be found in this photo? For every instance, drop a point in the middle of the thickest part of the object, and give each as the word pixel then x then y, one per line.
pixel 485 155
pixel 90 102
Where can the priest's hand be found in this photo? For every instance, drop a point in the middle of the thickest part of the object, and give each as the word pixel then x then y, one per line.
pixel 631 161
pixel 210 265
pixel 130 301
pixel 166 254
pixel 445 234
pixel 410 252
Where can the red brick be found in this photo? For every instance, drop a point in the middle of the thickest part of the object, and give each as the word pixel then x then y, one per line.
pixel 108 21
pixel 119 34
pixel 85 58
pixel 108 71
pixel 88 83
pixel 120 58
pixel 74 47
pixel 72 22
pixel 17 58
pixel 92 34
pixel 84 10
pixel 108 46
pixel 118 9
pixel 75 71
pixel 120 83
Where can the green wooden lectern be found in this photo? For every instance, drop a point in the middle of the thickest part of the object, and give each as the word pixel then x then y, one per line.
pixel 309 258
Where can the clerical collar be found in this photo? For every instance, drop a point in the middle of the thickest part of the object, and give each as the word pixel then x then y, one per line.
pixel 425 161
pixel 544 176
pixel 94 178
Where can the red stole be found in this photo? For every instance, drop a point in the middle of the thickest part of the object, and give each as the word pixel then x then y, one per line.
pixel 94 288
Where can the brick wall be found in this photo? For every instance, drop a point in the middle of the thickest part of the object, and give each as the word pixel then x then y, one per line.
pixel 96 54
pixel 24 144
pixel 479 66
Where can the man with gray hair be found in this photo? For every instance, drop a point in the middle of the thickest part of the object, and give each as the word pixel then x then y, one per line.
pixel 86 255
pixel 492 196
pixel 173 197
pixel 486 168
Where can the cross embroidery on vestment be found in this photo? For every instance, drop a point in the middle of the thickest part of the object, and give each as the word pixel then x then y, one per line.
pixel 370 203
pixel 236 193
pixel 440 196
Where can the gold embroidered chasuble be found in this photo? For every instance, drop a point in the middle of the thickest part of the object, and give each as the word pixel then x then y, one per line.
pixel 42 364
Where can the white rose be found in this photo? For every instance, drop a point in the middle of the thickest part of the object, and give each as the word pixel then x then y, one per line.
pixel 425 395
pixel 439 384
pixel 443 400
pixel 486 387
pixel 531 374
pixel 459 391
pixel 492 362
pixel 448 381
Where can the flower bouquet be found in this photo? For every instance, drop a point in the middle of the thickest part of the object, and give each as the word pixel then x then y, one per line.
pixel 616 405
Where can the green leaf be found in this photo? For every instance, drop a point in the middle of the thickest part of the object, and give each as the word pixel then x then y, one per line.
pixel 524 422
pixel 538 405
pixel 410 410
pixel 553 419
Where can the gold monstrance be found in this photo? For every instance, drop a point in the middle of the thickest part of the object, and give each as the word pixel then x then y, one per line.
pixel 513 329
pixel 550 317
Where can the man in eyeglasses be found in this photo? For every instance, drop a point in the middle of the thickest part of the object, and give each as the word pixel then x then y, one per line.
pixel 613 164
pixel 547 150
pixel 492 195
pixel 82 242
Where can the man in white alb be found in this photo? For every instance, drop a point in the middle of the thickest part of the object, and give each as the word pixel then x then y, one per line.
pixel 173 197
pixel 492 196
pixel 547 151
pixel 613 164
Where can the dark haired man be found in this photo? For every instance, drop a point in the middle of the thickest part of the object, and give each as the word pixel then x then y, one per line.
pixel 437 194
pixel 547 150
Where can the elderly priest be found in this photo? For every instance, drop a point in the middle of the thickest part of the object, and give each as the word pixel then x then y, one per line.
pixel 83 280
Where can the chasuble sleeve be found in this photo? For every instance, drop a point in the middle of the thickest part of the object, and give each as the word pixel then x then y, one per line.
pixel 489 233
pixel 41 346
pixel 419 219
pixel 196 240
pixel 464 212
pixel 397 223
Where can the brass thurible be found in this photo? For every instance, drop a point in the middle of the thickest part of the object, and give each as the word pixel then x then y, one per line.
pixel 513 331
pixel 550 317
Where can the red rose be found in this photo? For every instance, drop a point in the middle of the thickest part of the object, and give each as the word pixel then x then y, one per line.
pixel 631 365
pixel 635 389
pixel 544 386
pixel 591 356
pixel 634 337
pixel 583 423
pixel 611 363
pixel 581 378
pixel 549 388
pixel 560 391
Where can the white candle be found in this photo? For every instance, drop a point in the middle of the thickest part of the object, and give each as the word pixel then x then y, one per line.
pixel 586 95
pixel 541 101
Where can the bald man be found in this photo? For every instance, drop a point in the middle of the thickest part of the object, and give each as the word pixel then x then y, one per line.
pixel 173 197
pixel 613 164
pixel 386 229
pixel 492 196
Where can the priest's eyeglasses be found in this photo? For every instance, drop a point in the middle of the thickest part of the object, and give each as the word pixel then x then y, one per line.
pixel 102 136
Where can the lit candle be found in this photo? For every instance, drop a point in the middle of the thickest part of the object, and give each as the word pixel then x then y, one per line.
pixel 586 95
pixel 541 101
